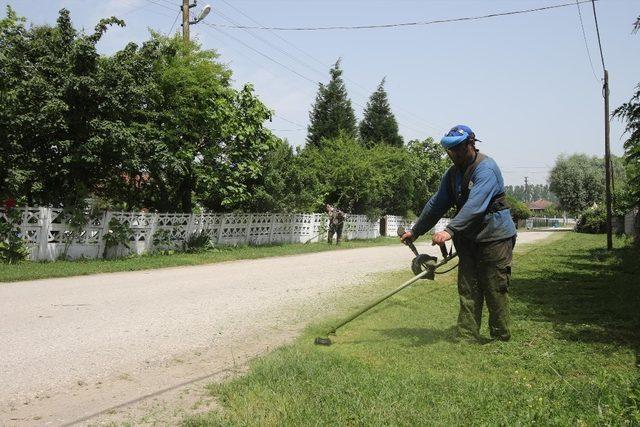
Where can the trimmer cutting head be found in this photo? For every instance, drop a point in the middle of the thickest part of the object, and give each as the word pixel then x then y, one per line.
pixel 322 341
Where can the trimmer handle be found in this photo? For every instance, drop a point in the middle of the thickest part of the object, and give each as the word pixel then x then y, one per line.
pixel 443 250
pixel 401 232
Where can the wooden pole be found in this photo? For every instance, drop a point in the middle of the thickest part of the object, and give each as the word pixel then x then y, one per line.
pixel 607 159
pixel 185 21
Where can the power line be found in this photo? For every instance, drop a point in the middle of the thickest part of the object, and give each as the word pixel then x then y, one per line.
pixel 290 69
pixel 213 26
pixel 161 4
pixel 260 53
pixel 268 43
pixel 365 96
pixel 289 121
pixel 586 45
pixel 174 22
pixel 275 34
pixel 595 17
pixel 408 24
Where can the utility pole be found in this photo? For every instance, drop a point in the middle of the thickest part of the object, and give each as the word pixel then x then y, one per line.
pixel 607 150
pixel 607 159
pixel 526 189
pixel 185 21
pixel 185 17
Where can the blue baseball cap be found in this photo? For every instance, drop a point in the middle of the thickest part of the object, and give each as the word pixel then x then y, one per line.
pixel 457 135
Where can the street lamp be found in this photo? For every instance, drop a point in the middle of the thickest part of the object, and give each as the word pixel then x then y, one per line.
pixel 185 17
pixel 203 14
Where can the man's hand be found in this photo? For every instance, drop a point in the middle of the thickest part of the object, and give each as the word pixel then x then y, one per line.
pixel 407 238
pixel 440 237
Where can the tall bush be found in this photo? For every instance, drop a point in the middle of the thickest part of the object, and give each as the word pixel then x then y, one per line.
pixel 12 245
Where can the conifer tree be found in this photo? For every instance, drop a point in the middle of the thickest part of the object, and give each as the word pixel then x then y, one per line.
pixel 331 114
pixel 379 125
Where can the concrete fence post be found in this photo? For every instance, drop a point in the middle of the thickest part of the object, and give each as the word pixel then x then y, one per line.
pixel 43 236
pixel 272 226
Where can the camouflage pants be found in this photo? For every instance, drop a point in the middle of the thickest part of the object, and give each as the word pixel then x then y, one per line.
pixel 484 274
pixel 337 230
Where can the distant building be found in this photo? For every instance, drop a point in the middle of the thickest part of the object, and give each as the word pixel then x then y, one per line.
pixel 539 205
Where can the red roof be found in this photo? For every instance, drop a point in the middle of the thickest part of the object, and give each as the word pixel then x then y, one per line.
pixel 539 205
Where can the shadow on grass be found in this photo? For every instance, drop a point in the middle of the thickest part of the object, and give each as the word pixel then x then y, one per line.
pixel 590 296
pixel 421 336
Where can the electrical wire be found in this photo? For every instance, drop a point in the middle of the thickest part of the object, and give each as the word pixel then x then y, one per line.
pixel 275 34
pixel 409 24
pixel 161 5
pixel 260 53
pixel 595 17
pixel 288 54
pixel 586 45
pixel 302 127
pixel 174 23
pixel 212 26
pixel 268 43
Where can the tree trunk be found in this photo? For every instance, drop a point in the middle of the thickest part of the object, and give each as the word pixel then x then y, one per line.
pixel 185 195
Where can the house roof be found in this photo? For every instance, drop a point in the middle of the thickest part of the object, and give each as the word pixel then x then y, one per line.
pixel 540 204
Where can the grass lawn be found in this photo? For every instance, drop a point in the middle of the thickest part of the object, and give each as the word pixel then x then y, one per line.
pixel 572 359
pixel 30 270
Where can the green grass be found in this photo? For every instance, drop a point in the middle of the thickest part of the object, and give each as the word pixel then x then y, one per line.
pixel 29 270
pixel 572 359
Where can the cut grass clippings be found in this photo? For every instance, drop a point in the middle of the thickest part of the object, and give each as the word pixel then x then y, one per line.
pixel 32 270
pixel 571 361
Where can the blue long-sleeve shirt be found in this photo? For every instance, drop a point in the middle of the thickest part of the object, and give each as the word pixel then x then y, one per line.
pixel 473 222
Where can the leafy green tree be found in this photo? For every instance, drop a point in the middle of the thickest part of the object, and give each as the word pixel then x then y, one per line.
pixel 578 181
pixel 360 180
pixel 630 113
pixel 331 114
pixel 379 125
pixel 156 126
pixel 428 163
pixel 212 135
pixel 518 209
pixel 49 104
pixel 286 184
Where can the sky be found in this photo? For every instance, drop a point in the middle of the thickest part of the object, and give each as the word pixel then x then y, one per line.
pixel 524 83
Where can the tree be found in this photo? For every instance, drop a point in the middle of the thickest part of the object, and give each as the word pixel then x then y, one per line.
pixel 578 181
pixel 285 184
pixel 49 104
pixel 331 114
pixel 157 126
pixel 536 192
pixel 519 210
pixel 630 112
pixel 379 125
pixel 428 163
pixel 359 180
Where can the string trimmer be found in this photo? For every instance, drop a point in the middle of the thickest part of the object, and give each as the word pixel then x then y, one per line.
pixel 423 266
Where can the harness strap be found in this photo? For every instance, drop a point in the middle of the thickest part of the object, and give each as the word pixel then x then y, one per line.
pixel 497 203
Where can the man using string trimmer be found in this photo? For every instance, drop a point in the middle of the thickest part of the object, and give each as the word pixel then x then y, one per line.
pixel 482 231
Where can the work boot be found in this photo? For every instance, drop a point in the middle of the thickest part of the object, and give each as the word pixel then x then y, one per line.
pixel 503 337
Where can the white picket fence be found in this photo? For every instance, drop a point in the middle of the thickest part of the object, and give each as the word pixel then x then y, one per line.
pixel 48 234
